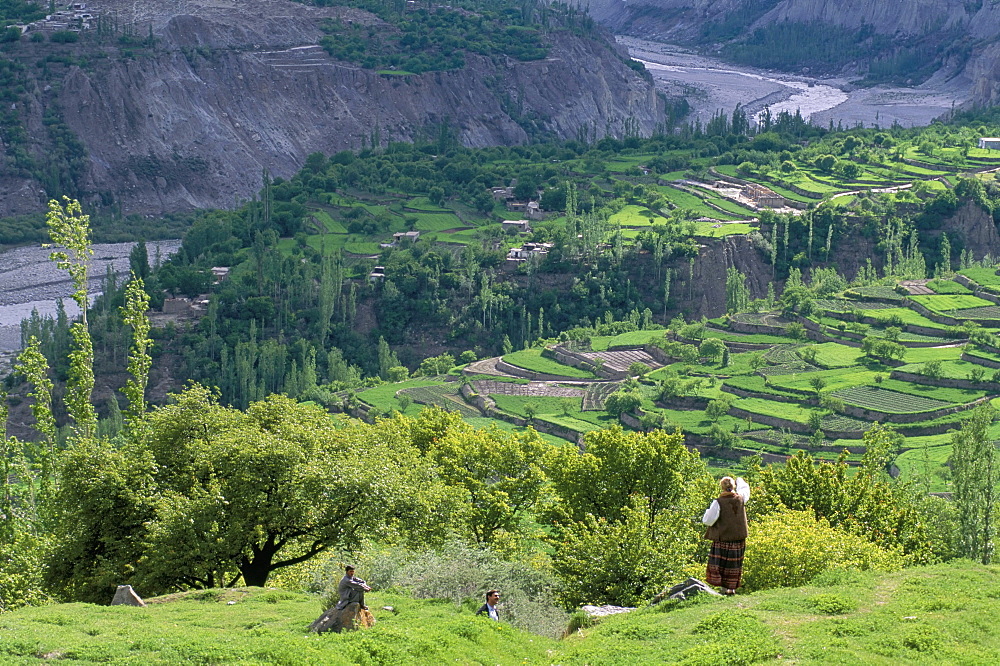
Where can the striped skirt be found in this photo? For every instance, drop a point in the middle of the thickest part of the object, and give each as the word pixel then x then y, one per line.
pixel 725 564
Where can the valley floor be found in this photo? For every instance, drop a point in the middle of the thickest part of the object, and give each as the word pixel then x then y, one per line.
pixel 711 85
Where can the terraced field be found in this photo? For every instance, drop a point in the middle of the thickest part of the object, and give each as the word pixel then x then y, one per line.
pixel 879 399
pixel 772 399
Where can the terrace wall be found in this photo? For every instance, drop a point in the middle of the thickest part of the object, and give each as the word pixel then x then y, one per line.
pixel 576 360
pixel 911 417
pixel 979 360
pixel 977 289
pixel 744 327
pixel 947 319
pixel 944 381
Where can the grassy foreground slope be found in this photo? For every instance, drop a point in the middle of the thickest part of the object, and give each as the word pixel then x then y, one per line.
pixel 923 615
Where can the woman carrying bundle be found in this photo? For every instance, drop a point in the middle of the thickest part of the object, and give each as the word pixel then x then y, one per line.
pixel 727 528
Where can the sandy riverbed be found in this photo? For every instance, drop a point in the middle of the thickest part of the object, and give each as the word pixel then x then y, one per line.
pixel 711 85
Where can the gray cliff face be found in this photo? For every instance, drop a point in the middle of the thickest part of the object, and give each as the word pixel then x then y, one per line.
pixel 232 90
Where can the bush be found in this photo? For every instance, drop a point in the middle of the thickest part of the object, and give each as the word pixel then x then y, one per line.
pixel 736 638
pixel 622 562
pixel 461 573
pixel 789 548
pixel 832 604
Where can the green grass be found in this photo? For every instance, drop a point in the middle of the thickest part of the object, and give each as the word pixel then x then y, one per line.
pixel 261 627
pixel 635 216
pixel 909 617
pixel 721 229
pixel 920 616
pixel 532 359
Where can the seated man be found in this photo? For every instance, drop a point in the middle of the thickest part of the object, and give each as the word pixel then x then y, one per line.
pixel 351 590
pixel 490 607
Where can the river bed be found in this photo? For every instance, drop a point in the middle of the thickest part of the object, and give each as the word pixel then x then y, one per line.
pixel 30 281
pixel 711 85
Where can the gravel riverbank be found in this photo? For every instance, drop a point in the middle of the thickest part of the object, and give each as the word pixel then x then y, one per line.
pixel 711 85
pixel 29 280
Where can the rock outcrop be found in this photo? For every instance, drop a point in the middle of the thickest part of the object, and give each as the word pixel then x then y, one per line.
pixel 233 88
pixel 349 619
pixel 126 596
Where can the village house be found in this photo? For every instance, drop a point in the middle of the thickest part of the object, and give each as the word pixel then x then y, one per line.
pixel 529 251
pixel 522 226
pixel 763 197
pixel 219 273
pixel 377 274
pixel 534 211
pixel 989 143
pixel 400 236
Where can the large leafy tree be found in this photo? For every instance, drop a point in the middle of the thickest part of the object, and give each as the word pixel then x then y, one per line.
pixel 212 496
pixel 499 472
pixel 623 514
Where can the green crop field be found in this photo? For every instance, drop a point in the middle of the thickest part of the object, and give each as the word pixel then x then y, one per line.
pixel 333 226
pixel 835 379
pixel 947 287
pixel 532 359
pixel 833 355
pixel 603 342
pixel 948 302
pixel 986 312
pixel 949 369
pixel 872 397
pixel 424 205
pixel 983 276
pixel 437 221
pixel 635 216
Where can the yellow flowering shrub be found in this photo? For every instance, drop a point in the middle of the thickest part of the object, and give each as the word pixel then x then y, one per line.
pixel 790 548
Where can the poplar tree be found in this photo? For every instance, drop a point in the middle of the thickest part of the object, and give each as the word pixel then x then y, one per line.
pixel 69 229
pixel 139 361
pixel 974 474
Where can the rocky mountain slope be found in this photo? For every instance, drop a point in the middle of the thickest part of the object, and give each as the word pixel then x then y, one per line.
pixel 232 88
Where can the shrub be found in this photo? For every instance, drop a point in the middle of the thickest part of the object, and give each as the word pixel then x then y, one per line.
pixel 736 637
pixel 789 548
pixel 460 573
pixel 832 604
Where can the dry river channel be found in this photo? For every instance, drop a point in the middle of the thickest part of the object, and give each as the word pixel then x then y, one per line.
pixel 30 281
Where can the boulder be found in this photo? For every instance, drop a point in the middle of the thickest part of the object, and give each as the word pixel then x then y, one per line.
pixel 350 618
pixel 126 596
pixel 604 611
pixel 685 590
